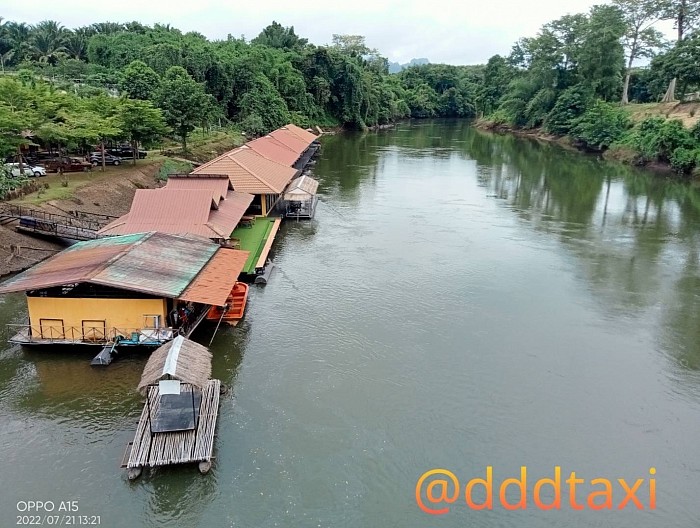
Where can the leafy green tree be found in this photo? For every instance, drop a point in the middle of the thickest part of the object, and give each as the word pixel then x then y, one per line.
pixel 139 81
pixel 571 105
pixel 16 116
pixel 602 55
pixel 263 101
pixel 641 38
pixel 685 15
pixel 140 122
pixel 183 102
pixel 277 36
pixel 497 76
pixel 680 63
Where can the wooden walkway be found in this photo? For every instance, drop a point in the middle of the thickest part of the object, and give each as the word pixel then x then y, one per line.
pixel 181 447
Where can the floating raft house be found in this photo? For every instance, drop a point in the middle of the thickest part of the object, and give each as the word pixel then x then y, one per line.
pixel 178 420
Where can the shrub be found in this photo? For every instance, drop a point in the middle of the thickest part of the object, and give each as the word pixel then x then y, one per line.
pixel 684 160
pixel 172 167
pixel 658 138
pixel 570 105
pixel 601 125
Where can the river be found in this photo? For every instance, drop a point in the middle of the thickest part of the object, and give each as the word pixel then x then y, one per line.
pixel 461 300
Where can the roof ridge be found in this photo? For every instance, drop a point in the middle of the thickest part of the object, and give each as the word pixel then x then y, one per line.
pixel 265 183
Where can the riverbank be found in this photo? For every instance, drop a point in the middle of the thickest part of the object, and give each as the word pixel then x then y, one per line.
pixel 620 154
pixel 109 192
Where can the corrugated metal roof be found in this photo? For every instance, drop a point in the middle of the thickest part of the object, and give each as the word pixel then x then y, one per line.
pixel 154 263
pixel 270 148
pixel 250 172
pixel 300 188
pixel 178 211
pixel 75 264
pixel 217 183
pixel 307 136
pixel 290 140
pixel 215 281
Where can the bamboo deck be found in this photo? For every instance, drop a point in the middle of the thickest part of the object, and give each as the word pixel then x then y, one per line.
pixel 181 447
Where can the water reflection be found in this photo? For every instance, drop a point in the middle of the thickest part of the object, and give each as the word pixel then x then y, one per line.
pixel 634 234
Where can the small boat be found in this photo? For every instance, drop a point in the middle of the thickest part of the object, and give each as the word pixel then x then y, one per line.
pixel 235 305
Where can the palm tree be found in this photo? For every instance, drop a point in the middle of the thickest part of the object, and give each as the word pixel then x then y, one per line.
pixel 4 57
pixel 76 44
pixel 18 35
pixel 107 28
pixel 48 41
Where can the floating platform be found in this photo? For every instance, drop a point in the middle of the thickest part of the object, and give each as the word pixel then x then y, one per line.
pixel 257 239
pixel 153 449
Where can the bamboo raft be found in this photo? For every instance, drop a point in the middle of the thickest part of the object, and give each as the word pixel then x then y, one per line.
pixel 181 447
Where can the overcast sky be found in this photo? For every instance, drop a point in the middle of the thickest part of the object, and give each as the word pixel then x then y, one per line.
pixel 454 32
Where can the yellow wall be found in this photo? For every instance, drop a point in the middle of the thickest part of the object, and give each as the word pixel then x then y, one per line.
pixel 124 314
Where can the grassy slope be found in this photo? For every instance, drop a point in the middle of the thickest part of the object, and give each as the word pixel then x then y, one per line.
pixel 688 113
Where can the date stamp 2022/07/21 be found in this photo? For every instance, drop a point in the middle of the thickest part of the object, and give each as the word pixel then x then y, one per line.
pixel 50 513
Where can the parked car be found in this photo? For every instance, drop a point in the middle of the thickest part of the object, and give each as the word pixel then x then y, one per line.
pixel 126 152
pixel 68 164
pixel 29 170
pixel 96 159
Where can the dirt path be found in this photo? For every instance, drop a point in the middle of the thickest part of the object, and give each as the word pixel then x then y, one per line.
pixel 109 193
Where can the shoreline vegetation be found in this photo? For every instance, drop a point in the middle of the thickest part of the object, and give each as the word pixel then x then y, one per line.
pixel 627 154
pixel 78 89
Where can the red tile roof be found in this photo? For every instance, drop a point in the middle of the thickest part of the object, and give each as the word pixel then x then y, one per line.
pixel 250 172
pixel 301 133
pixel 215 281
pixel 291 140
pixel 268 147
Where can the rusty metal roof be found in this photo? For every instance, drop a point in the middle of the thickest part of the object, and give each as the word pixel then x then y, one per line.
pixel 301 188
pixel 270 148
pixel 307 136
pixel 250 172
pixel 159 264
pixel 215 281
pixel 291 140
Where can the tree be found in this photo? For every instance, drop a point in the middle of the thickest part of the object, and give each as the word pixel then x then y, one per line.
pixel 686 15
pixel 76 44
pixel 602 55
pixel 641 39
pixel 140 121
pixel 263 101
pixel 139 81
pixel 48 40
pixel 352 45
pixel 680 63
pixel 183 102
pixel 277 36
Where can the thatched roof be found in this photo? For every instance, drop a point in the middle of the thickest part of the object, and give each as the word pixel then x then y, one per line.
pixel 179 359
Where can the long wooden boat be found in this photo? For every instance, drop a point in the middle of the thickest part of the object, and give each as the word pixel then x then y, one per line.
pixel 235 305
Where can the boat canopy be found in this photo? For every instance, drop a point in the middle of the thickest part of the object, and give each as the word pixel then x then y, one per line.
pixel 301 189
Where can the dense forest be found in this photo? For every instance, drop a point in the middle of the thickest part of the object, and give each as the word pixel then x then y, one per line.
pixel 82 86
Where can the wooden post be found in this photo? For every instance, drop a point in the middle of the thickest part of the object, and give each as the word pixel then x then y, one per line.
pixel 263 204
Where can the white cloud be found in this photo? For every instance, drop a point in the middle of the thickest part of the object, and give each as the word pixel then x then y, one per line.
pixel 465 32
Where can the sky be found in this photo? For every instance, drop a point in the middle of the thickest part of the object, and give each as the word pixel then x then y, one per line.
pixel 452 32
